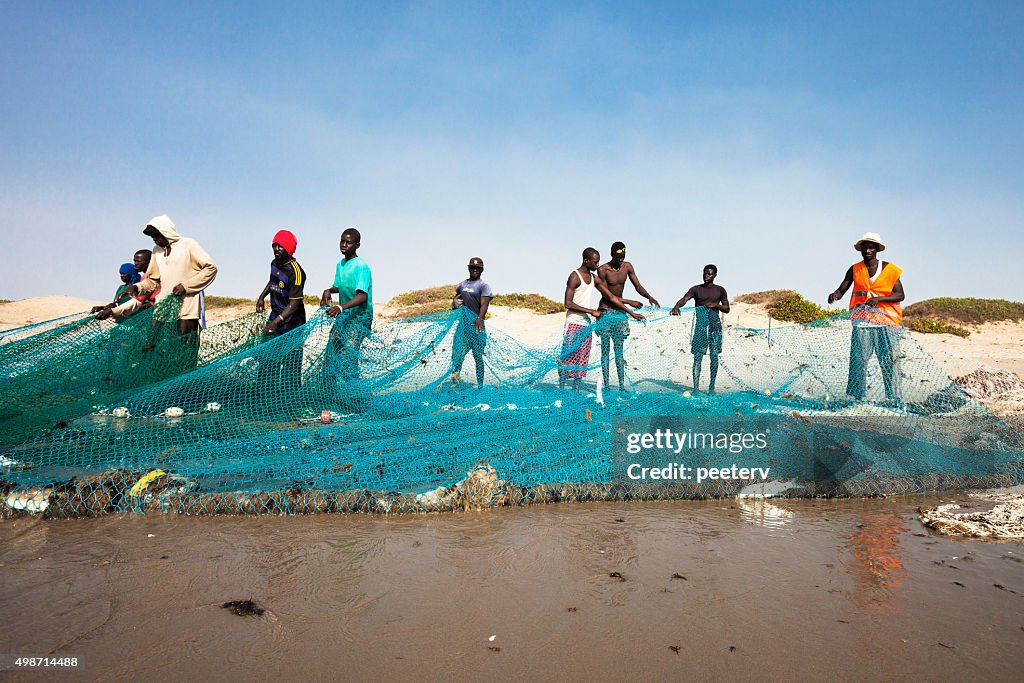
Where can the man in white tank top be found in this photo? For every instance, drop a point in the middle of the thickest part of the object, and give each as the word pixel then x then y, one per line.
pixel 581 295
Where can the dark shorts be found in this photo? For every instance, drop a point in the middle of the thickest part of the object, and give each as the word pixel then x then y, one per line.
pixel 706 337
pixel 612 325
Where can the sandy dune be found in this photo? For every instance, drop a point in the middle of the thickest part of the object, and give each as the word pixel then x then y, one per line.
pixel 36 309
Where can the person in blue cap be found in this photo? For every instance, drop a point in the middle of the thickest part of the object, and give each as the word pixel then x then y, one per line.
pixel 129 276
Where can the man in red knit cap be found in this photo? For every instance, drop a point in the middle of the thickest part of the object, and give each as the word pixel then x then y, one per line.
pixel 284 287
pixel 287 310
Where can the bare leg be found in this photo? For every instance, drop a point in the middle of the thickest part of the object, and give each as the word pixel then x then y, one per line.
pixel 620 362
pixel 606 345
pixel 714 372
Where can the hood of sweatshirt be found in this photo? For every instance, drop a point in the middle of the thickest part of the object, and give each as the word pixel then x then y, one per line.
pixel 165 225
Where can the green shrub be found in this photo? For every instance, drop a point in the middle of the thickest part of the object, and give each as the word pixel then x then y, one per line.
pixel 437 299
pixel 968 311
pixel 769 297
pixel 534 302
pixel 431 295
pixel 425 308
pixel 794 308
pixel 933 326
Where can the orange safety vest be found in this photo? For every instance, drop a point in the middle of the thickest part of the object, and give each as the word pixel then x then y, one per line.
pixel 884 313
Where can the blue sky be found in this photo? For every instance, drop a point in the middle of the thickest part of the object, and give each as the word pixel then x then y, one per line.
pixel 763 137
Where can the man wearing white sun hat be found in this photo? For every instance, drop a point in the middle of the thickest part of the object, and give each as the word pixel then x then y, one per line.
pixel 876 315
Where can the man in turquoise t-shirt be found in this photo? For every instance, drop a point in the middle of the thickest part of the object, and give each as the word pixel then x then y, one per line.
pixel 353 283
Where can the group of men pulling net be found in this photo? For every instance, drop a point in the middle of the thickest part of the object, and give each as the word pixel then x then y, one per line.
pixel 101 418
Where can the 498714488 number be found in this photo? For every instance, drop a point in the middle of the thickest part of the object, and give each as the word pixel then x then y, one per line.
pixel 47 662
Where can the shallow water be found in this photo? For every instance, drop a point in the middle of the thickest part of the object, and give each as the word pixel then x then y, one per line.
pixel 846 589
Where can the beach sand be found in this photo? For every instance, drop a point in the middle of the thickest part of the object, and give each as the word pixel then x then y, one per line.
pixel 38 309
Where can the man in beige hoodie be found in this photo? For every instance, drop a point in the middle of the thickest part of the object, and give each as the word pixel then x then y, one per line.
pixel 179 266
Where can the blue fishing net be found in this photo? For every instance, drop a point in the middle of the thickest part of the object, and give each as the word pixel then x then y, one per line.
pixel 332 417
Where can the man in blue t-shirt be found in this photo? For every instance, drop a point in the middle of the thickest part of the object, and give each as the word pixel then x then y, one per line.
pixel 287 310
pixel 353 283
pixel 472 297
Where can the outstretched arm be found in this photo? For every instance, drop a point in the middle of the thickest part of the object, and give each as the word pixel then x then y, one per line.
pixel 325 298
pixel 263 295
pixel 843 286
pixel 682 302
pixel 485 301
pixel 359 299
pixel 640 288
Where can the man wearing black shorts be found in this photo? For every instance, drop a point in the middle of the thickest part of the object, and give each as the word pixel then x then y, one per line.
pixel 710 300
pixel 614 328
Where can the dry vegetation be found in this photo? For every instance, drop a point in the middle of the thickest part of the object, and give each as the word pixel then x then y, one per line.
pixel 765 298
pixel 788 305
pixel 534 302
pixel 966 311
pixel 947 315
pixel 227 301
pixel 438 299
pixel 933 326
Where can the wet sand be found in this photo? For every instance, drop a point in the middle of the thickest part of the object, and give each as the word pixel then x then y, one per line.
pixel 804 589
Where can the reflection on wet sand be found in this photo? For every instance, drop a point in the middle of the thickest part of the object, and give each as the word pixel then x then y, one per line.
pixel 877 567
pixel 712 589
pixel 765 514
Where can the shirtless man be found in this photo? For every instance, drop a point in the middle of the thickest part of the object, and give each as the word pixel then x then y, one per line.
pixel 614 275
pixel 710 300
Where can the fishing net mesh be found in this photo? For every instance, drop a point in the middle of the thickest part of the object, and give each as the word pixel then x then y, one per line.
pixel 331 417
